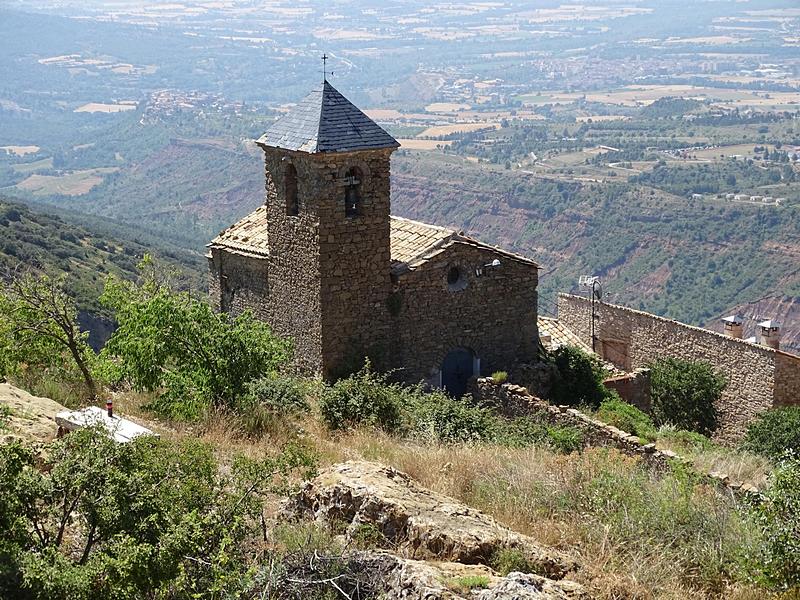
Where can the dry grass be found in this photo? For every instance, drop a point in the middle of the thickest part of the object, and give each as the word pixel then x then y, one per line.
pixel 638 535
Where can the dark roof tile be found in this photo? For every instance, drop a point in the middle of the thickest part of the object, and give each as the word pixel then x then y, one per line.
pixel 326 121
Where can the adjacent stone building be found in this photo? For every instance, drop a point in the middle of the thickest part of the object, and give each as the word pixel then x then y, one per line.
pixel 759 376
pixel 327 266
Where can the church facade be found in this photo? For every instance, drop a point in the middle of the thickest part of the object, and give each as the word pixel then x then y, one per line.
pixel 326 265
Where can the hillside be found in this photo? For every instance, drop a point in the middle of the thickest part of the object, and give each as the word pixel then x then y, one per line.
pixel 690 260
pixel 88 252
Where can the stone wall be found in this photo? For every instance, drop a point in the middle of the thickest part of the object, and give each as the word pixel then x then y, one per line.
pixel 514 401
pixel 787 379
pixel 329 272
pixel 493 314
pixel 640 338
pixel 633 388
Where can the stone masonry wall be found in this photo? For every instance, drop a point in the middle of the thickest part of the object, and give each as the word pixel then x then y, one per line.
pixel 514 401
pixel 354 261
pixel 494 314
pixel 750 369
pixel 633 388
pixel 294 305
pixel 787 379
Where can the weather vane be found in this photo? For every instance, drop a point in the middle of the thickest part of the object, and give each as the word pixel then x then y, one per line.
pixel 324 67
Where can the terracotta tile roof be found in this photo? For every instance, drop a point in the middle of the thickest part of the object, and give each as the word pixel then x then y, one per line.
pixel 248 235
pixel 412 242
pixel 562 336
pixel 559 335
pixel 326 121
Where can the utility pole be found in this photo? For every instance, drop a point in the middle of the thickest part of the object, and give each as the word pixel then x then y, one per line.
pixel 593 283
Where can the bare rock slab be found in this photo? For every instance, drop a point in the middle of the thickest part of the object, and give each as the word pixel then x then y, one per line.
pixel 419 523
pixel 30 418
pixel 409 579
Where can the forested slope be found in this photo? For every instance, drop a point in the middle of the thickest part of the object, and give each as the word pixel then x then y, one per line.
pixel 689 260
pixel 89 251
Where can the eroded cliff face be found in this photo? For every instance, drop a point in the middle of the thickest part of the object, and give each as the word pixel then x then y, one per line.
pixel 99 327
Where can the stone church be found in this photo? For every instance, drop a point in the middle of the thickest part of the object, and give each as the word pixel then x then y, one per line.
pixel 326 265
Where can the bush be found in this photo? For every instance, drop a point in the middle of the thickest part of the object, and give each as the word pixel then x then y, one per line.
pixel 778 517
pixel 685 393
pixel 688 439
pixel 580 378
pixel 527 431
pixel 438 417
pixel 507 560
pixel 281 394
pixel 500 376
pixel 627 417
pixel 774 432
pixel 91 519
pixel 174 342
pixel 366 398
pixel 270 402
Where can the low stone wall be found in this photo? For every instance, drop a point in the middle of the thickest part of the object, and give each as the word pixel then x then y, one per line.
pixel 514 401
pixel 633 388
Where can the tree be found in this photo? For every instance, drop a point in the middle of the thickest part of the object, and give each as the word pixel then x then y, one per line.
pixel 580 378
pixel 778 517
pixel 774 433
pixel 39 325
pixel 89 518
pixel 684 394
pixel 171 341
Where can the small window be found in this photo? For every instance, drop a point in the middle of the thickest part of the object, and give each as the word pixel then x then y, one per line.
pixel 290 188
pixel 453 275
pixel 455 279
pixel 352 193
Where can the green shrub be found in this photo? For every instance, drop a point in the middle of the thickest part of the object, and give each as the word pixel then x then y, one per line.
pixel 688 439
pixel 174 342
pixel 778 517
pixel 565 439
pixel 438 417
pixel 627 417
pixel 685 393
pixel 500 376
pixel 281 394
pixel 365 398
pixel 468 582
pixel 528 431
pixel 580 378
pixel 774 432
pixel 507 560
pixel 92 519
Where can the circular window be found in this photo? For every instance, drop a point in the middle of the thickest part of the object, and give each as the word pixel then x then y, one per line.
pixel 455 279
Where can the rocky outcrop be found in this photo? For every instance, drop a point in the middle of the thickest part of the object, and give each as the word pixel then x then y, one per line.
pixel 408 579
pixel 29 418
pixel 418 523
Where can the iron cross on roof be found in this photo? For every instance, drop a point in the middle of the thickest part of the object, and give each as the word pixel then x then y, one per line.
pixel 324 67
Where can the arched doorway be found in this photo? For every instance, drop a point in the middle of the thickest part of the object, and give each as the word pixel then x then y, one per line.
pixel 459 365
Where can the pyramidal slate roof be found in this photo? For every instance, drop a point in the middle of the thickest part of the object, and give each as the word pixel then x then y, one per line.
pixel 326 121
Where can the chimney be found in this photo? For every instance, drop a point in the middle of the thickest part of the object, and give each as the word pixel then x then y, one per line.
pixel 771 333
pixel 732 326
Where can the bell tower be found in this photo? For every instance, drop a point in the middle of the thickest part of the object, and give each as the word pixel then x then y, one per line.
pixel 328 224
